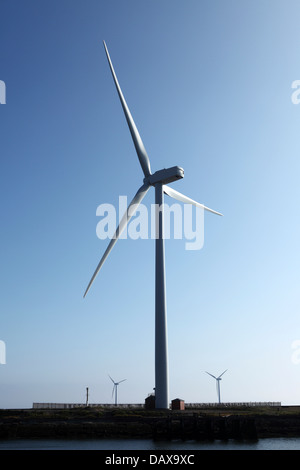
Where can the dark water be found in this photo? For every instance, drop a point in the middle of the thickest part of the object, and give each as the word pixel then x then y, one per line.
pixel 148 444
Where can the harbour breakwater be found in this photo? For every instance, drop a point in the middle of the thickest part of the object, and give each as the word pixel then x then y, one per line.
pixel 155 424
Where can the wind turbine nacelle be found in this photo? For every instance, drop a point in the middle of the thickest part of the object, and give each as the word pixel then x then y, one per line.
pixel 165 176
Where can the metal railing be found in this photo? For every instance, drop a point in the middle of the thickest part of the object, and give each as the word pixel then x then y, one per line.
pixel 188 406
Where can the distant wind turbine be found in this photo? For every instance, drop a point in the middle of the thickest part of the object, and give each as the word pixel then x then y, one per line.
pixel 159 181
pixel 115 388
pixel 218 383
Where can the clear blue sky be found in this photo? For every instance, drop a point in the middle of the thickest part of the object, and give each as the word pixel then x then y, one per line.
pixel 209 86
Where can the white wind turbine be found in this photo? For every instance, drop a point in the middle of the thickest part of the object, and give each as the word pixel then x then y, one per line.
pixel 159 181
pixel 218 383
pixel 115 388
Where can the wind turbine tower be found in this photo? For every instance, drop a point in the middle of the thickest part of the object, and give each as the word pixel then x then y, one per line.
pixel 115 389
pixel 159 180
pixel 218 379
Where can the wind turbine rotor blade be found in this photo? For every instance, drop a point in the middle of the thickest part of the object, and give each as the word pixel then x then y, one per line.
pixel 211 375
pixel 111 379
pixel 122 381
pixel 141 193
pixel 139 146
pixel 181 197
pixel 222 373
